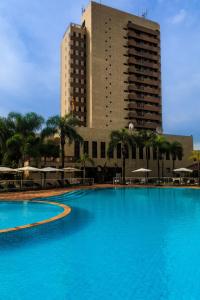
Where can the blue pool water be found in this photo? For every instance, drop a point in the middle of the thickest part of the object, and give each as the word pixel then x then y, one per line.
pixel 116 244
pixel 14 214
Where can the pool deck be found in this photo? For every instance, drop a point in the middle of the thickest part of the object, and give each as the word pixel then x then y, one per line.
pixel 32 195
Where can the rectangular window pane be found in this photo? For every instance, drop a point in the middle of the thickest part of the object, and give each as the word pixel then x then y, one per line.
pixel 77 149
pixel 111 154
pixel 154 153
pixel 148 153
pixel 103 149
pixel 141 155
pixel 127 151
pixel 167 155
pixel 133 151
pixel 119 151
pixel 94 149
pixel 86 147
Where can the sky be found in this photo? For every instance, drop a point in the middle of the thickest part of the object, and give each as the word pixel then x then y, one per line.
pixel 30 37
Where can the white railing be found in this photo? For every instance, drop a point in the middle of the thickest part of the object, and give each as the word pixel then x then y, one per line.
pixel 34 184
pixel 157 181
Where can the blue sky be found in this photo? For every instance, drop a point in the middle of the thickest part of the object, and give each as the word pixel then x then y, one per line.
pixel 30 36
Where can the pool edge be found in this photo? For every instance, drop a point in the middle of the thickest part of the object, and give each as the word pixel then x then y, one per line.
pixel 66 211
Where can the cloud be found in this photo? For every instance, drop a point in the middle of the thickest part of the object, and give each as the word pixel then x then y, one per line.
pixel 179 17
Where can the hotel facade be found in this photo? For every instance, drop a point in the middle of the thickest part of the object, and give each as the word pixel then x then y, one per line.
pixel 111 77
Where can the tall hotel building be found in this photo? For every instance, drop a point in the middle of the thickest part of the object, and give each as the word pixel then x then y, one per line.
pixel 111 77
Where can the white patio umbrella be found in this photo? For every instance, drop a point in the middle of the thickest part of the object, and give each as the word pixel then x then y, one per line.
pixel 50 169
pixel 183 170
pixel 71 169
pixel 47 170
pixel 142 170
pixel 28 168
pixel 7 170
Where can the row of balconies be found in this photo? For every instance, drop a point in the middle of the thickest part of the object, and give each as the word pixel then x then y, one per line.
pixel 150 99
pixel 133 43
pixel 145 107
pixel 153 33
pixel 143 89
pixel 143 36
pixel 133 69
pixel 133 78
pixel 141 62
pixel 143 54
pixel 147 116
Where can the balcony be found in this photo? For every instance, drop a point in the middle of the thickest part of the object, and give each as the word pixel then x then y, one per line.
pixel 140 106
pixel 141 62
pixel 143 46
pixel 143 37
pixel 143 54
pixel 155 33
pixel 133 78
pixel 133 69
pixel 147 116
pixel 134 87
pixel 134 96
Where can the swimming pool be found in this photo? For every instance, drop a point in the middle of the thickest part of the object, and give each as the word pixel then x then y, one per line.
pixel 123 243
pixel 20 213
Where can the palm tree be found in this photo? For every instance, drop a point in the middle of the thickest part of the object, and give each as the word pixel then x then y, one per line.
pixel 126 139
pixel 49 148
pixel 176 150
pixel 65 128
pixel 83 160
pixel 5 133
pixel 195 156
pixel 23 142
pixel 161 145
pixel 145 139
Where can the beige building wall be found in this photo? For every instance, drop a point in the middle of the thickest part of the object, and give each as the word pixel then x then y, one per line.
pixel 65 75
pixel 103 135
pixel 105 64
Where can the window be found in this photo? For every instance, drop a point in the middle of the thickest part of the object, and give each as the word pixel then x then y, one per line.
pixel 111 154
pixel 94 149
pixel 86 147
pixel 133 151
pixel 167 155
pixel 103 149
pixel 76 149
pixel 154 153
pixel 126 151
pixel 148 153
pixel 119 151
pixel 141 155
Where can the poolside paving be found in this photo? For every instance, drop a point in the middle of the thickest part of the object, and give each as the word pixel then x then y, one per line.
pixel 28 195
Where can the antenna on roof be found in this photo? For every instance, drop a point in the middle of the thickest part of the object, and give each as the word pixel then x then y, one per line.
pixel 145 13
pixel 83 9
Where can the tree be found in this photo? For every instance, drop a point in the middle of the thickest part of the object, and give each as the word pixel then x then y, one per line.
pixel 24 140
pixel 161 145
pixel 195 156
pixel 49 148
pixel 176 150
pixel 126 139
pixel 83 160
pixel 146 139
pixel 65 128
pixel 5 134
